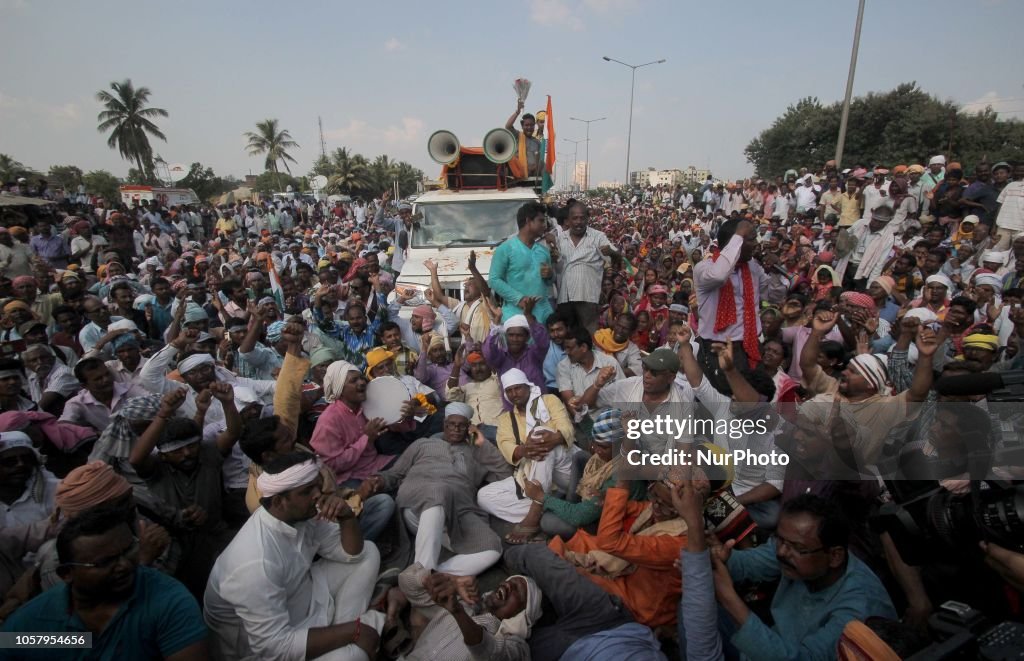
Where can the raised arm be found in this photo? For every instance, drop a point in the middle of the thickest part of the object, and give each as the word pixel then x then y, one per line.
pixel 141 455
pixel 927 342
pixel 687 361
pixel 823 322
pixel 511 123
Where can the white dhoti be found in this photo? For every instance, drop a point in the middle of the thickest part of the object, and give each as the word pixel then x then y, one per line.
pixel 341 593
pixel 431 537
pixel 500 498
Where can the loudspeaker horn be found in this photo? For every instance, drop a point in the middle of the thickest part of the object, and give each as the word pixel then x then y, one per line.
pixel 443 147
pixel 499 145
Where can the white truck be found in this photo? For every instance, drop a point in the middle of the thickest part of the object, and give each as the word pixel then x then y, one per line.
pixel 451 224
pixel 165 197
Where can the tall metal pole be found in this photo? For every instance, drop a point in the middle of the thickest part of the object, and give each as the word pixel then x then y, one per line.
pixel 632 89
pixel 841 142
pixel 629 133
pixel 588 122
pixel 575 147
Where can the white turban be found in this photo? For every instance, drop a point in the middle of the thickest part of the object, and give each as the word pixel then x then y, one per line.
pixel 520 624
pixel 194 361
pixel 873 368
pixel 122 324
pixel 937 160
pixel 459 408
pixel 335 377
pixel 515 321
pixel 194 314
pixel 940 279
pixel 990 279
pixel 271 484
pixel 177 444
pixel 924 315
pixel 995 257
pixel 514 377
pixel 15 439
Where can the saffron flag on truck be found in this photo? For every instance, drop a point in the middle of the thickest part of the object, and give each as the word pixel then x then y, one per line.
pixel 548 150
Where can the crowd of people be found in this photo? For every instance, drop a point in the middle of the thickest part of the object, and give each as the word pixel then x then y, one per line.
pixel 187 470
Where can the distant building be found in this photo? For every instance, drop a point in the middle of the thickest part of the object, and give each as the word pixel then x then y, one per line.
pixel 581 176
pixel 694 177
pixel 691 176
pixel 641 178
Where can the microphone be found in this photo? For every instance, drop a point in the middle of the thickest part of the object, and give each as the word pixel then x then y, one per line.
pixel 978 384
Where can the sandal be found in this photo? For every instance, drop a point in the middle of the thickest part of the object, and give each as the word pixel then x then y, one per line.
pixel 528 535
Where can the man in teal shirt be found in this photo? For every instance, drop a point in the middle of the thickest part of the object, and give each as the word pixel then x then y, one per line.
pixel 132 612
pixel 521 266
pixel 821 586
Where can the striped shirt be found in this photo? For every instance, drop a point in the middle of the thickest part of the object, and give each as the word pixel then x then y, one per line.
pixel 581 266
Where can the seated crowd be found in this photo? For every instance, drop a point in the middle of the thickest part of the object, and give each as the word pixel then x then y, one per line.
pixel 202 453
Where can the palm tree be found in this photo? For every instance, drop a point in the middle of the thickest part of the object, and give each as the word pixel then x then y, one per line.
pixel 129 122
pixel 351 173
pixel 383 172
pixel 267 139
pixel 10 168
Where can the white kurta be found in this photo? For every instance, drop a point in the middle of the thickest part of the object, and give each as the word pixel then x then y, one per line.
pixel 265 592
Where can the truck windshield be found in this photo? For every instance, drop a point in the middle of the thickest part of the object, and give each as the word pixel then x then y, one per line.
pixel 466 223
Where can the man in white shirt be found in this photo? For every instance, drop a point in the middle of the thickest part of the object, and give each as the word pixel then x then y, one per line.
pixel 50 382
pixel 1010 218
pixel 686 200
pixel 267 598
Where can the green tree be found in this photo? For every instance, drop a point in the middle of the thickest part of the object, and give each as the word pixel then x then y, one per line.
pixel 129 121
pixel 274 143
pixel 204 182
pixel 383 171
pixel 10 169
pixel 348 173
pixel 409 178
pixel 68 177
pixel 904 125
pixel 271 182
pixel 104 184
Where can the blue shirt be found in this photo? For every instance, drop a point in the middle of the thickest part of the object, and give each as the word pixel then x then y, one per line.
pixel 807 624
pixel 555 354
pixel 515 273
pixel 160 619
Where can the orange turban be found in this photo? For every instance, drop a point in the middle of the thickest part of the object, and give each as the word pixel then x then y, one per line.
pixel 88 486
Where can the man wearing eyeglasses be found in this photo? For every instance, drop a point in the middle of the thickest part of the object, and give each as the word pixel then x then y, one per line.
pixel 132 612
pixel 822 586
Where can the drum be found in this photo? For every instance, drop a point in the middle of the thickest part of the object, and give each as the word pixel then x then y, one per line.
pixel 384 398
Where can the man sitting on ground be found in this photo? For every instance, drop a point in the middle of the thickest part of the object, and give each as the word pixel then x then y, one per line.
pixel 267 598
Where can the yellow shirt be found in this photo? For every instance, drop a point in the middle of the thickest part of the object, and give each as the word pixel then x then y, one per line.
pixel 849 210
pixel 559 422
pixel 226 225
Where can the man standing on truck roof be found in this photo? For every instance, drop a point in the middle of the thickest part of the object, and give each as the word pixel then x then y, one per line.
pixel 527 162
pixel 400 225
pixel 521 266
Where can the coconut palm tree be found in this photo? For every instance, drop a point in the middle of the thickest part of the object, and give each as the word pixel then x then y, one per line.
pixel 130 122
pixel 350 172
pixel 10 168
pixel 268 139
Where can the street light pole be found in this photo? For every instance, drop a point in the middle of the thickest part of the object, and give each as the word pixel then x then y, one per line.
pixel 588 122
pixel 632 89
pixel 841 141
pixel 575 147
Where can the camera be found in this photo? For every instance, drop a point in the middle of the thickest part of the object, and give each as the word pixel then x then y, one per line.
pixel 928 523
